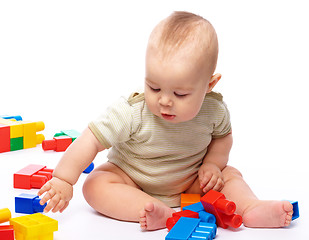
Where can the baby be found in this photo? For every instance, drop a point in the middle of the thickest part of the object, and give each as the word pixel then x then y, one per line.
pixel 174 138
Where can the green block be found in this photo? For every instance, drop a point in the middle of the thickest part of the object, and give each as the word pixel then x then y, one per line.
pixel 69 133
pixel 17 143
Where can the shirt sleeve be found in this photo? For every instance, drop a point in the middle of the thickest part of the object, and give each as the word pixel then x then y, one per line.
pixel 222 126
pixel 114 126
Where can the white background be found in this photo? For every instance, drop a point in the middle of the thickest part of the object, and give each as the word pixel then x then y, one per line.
pixel 63 62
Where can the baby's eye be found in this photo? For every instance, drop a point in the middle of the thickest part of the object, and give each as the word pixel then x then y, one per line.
pixel 155 89
pixel 180 94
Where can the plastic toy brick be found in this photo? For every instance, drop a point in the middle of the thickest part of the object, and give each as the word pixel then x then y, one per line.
pixel 17 144
pixel 58 144
pixel 34 227
pixel 215 203
pixel 89 168
pixel 20 130
pixel 31 139
pixel 16 117
pixel 4 138
pixel 191 229
pixel 16 127
pixel 5 215
pixel 188 199
pixel 32 176
pixel 6 232
pixel 69 133
pixel 28 203
pixel 295 210
pixel 203 215
pixel 177 215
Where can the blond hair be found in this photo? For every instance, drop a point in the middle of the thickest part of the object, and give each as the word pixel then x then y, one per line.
pixel 184 30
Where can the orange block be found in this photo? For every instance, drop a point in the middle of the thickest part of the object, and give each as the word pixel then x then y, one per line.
pixel 188 199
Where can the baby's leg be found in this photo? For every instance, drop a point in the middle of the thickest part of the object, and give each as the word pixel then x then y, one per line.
pixel 255 213
pixel 112 192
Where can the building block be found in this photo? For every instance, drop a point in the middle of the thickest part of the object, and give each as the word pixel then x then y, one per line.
pixel 177 215
pixel 188 199
pixel 5 142
pixel 203 215
pixel 31 138
pixel 69 133
pixel 192 229
pixel 89 168
pixel 6 232
pixel 16 117
pixel 295 210
pixel 28 203
pixel 20 130
pixel 34 227
pixel 17 144
pixel 32 176
pixel 58 144
pixel 215 203
pixel 5 215
pixel 16 127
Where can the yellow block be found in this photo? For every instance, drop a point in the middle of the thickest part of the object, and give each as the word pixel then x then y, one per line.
pixel 5 215
pixel 16 127
pixel 31 139
pixel 34 227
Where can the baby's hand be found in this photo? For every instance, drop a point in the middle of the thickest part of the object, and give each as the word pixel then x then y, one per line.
pixel 59 193
pixel 210 177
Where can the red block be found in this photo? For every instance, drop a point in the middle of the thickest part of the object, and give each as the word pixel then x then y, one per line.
pixel 177 215
pixel 58 144
pixel 215 203
pixel 32 176
pixel 6 232
pixel 5 140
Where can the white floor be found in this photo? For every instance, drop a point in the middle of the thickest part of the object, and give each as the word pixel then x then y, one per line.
pixel 63 62
pixel 80 221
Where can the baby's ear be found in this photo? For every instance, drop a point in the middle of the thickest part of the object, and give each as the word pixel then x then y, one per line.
pixel 213 81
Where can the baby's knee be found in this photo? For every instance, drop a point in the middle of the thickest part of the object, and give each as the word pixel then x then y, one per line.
pixel 230 172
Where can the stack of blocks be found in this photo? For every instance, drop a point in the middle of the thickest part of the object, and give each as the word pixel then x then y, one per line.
pixel 6 231
pixel 16 134
pixel 197 221
pixel 61 141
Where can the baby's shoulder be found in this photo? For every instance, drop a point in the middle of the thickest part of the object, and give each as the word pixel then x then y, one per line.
pixel 214 96
pixel 136 97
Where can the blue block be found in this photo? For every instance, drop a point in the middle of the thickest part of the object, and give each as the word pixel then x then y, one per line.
pixel 203 215
pixel 295 210
pixel 89 168
pixel 196 207
pixel 192 229
pixel 28 203
pixel 17 117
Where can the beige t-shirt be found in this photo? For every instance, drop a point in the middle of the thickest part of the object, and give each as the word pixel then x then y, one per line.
pixel 162 158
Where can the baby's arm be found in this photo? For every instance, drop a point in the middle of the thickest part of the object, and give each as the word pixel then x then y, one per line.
pixel 59 190
pixel 214 162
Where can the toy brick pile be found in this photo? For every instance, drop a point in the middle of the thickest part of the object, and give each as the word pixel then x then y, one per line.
pixel 200 216
pixel 16 134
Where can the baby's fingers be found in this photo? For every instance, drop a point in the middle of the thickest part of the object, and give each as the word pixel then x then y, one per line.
pixel 46 187
pixel 219 185
pixel 49 195
pixel 52 203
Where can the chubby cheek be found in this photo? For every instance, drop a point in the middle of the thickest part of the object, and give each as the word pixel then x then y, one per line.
pixel 151 103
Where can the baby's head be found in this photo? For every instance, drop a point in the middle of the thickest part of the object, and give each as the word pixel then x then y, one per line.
pixel 181 58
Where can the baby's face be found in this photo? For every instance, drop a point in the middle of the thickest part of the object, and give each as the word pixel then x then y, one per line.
pixel 175 87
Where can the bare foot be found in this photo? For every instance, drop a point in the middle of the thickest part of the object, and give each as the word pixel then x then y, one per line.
pixel 154 216
pixel 268 214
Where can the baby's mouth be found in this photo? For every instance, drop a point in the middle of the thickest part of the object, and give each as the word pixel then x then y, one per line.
pixel 167 116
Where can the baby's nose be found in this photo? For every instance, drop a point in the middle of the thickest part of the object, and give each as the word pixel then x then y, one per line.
pixel 165 101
